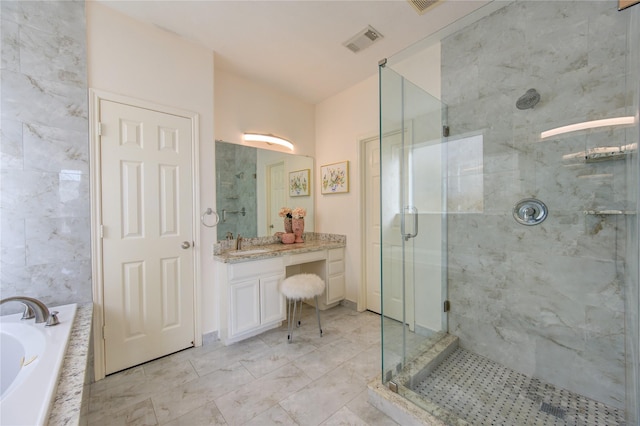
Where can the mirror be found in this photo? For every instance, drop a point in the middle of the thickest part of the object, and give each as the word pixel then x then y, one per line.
pixel 252 185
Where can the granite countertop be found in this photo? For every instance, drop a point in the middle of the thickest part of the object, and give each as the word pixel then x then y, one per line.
pixel 253 249
pixel 66 408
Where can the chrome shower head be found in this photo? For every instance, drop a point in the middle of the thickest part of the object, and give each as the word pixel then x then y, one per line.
pixel 528 100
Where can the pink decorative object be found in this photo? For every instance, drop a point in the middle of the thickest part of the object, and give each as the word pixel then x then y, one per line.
pixel 289 238
pixel 287 225
pixel 298 229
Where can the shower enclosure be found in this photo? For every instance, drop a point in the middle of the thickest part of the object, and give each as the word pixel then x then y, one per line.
pixel 509 216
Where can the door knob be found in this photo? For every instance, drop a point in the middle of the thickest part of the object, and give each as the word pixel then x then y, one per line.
pixel 186 245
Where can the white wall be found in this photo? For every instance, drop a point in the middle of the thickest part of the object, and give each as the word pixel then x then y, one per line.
pixel 341 122
pixel 246 106
pixel 123 55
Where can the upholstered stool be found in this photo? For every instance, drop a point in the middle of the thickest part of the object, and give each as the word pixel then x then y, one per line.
pixel 297 288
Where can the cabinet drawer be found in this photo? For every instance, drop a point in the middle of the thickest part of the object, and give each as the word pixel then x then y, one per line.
pixel 312 256
pixel 241 271
pixel 336 254
pixel 336 267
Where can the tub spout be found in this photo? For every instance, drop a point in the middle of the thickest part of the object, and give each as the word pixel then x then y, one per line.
pixel 40 309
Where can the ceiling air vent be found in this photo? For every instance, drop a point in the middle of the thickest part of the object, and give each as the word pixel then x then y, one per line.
pixel 363 39
pixel 421 6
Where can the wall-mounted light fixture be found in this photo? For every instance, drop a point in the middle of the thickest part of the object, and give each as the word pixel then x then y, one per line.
pixel 270 139
pixel 617 121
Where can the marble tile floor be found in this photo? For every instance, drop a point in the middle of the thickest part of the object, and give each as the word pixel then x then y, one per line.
pixel 259 381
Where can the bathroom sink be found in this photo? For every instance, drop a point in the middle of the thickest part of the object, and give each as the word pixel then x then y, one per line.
pixel 247 252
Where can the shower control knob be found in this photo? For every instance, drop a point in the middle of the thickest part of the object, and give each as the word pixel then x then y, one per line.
pixel 530 211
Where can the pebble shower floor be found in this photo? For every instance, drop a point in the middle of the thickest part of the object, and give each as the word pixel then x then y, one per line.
pixel 483 392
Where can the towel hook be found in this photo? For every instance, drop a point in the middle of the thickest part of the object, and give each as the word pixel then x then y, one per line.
pixel 209 211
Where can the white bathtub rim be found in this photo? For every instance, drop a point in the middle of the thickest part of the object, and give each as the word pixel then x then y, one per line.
pixel 17 407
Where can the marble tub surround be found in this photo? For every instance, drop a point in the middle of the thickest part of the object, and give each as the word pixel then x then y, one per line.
pixel 274 248
pixel 71 401
pixel 44 154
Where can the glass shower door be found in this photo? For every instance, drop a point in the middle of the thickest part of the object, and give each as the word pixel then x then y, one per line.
pixel 412 220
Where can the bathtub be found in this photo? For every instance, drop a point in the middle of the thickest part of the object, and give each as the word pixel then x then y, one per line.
pixel 31 357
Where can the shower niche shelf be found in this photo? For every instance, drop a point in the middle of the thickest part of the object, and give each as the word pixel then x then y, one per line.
pixel 609 153
pixel 609 212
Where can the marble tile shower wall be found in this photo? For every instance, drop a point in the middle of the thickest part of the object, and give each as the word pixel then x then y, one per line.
pixel 545 300
pixel 44 186
pixel 236 189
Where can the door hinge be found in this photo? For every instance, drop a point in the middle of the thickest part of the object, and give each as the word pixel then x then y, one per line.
pixel 447 306
pixel 104 332
pixel 101 231
pixel 99 129
pixel 445 131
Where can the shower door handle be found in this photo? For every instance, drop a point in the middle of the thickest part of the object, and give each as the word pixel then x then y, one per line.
pixel 413 212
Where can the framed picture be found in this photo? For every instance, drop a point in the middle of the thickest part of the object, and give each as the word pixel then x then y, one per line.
pixel 334 178
pixel 623 4
pixel 299 183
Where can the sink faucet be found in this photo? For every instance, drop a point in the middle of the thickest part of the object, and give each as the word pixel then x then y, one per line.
pixel 40 309
pixel 239 242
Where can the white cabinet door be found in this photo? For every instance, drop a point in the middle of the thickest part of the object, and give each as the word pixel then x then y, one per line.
pixel 271 300
pixel 335 290
pixel 245 306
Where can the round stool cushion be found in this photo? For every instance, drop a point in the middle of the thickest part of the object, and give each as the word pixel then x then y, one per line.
pixel 302 286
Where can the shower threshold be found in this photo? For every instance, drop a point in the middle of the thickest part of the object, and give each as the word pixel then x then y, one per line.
pixel 456 386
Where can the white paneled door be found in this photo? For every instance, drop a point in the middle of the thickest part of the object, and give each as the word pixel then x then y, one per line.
pixel 147 233
pixel 397 252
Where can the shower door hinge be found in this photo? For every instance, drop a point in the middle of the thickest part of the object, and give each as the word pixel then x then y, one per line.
pixel 445 131
pixel 447 306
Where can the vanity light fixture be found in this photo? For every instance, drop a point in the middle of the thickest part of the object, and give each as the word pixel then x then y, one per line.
pixel 269 139
pixel 617 121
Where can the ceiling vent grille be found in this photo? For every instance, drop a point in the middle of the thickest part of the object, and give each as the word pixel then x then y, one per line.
pixel 363 39
pixel 421 6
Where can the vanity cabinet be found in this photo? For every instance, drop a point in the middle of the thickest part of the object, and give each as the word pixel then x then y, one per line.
pixel 250 299
pixel 254 300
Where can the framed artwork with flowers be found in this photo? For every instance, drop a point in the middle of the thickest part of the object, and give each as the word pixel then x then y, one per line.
pixel 299 183
pixel 334 178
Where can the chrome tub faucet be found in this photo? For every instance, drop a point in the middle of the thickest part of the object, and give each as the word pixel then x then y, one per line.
pixel 34 307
